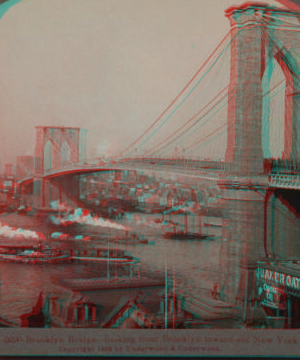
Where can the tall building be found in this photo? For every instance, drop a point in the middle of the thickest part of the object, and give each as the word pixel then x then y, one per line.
pixel 9 169
pixel 25 165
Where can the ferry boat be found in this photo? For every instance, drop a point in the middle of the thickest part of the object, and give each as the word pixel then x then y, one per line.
pixel 103 254
pixel 32 254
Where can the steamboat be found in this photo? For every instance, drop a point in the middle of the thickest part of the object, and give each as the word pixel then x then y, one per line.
pixel 103 254
pixel 34 254
pixel 39 254
pixel 130 239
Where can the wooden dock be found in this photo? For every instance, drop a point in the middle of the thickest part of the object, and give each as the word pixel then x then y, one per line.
pixel 110 284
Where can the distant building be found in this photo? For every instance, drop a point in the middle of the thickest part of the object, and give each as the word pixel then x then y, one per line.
pixel 118 176
pixel 25 166
pixel 132 175
pixel 125 176
pixel 9 169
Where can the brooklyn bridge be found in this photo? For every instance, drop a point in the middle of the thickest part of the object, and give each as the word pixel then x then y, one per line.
pixel 256 161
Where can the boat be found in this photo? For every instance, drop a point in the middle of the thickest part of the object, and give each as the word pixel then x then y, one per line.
pixel 102 254
pixel 32 254
pixel 186 235
pixel 69 238
pixel 38 254
pixel 153 209
pixel 26 210
pixel 213 225
pixel 22 210
pixel 217 222
pixel 129 239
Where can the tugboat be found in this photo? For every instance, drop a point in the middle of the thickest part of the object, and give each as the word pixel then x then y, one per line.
pixel 26 210
pixel 22 210
pixel 129 239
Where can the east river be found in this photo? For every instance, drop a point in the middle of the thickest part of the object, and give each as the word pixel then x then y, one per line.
pixel 194 264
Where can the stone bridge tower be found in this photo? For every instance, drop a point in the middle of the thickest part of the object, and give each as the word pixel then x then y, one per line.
pixel 56 147
pixel 260 33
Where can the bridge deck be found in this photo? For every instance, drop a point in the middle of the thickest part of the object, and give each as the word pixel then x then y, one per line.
pixel 217 172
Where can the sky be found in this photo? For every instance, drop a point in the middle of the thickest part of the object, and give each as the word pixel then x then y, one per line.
pixel 109 66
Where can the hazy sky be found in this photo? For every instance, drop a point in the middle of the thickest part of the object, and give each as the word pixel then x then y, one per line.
pixel 110 66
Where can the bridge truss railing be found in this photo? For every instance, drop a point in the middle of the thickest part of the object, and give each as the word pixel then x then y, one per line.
pixel 285 181
pixel 280 173
pixel 181 165
pixel 278 166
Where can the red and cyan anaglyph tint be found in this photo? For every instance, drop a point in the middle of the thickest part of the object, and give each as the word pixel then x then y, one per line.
pixel 191 223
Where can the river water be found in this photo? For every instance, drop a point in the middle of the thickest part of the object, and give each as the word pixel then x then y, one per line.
pixel 193 264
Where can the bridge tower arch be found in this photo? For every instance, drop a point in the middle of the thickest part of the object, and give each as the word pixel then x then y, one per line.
pixel 55 148
pixel 274 86
pixel 261 33
pixel 48 156
pixel 65 153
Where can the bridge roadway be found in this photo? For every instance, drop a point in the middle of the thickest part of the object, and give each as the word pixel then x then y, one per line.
pixel 219 173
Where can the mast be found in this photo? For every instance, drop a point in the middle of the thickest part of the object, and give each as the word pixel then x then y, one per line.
pixel 108 259
pixel 185 218
pixel 166 293
pixel 193 214
pixel 173 293
pixel 200 223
